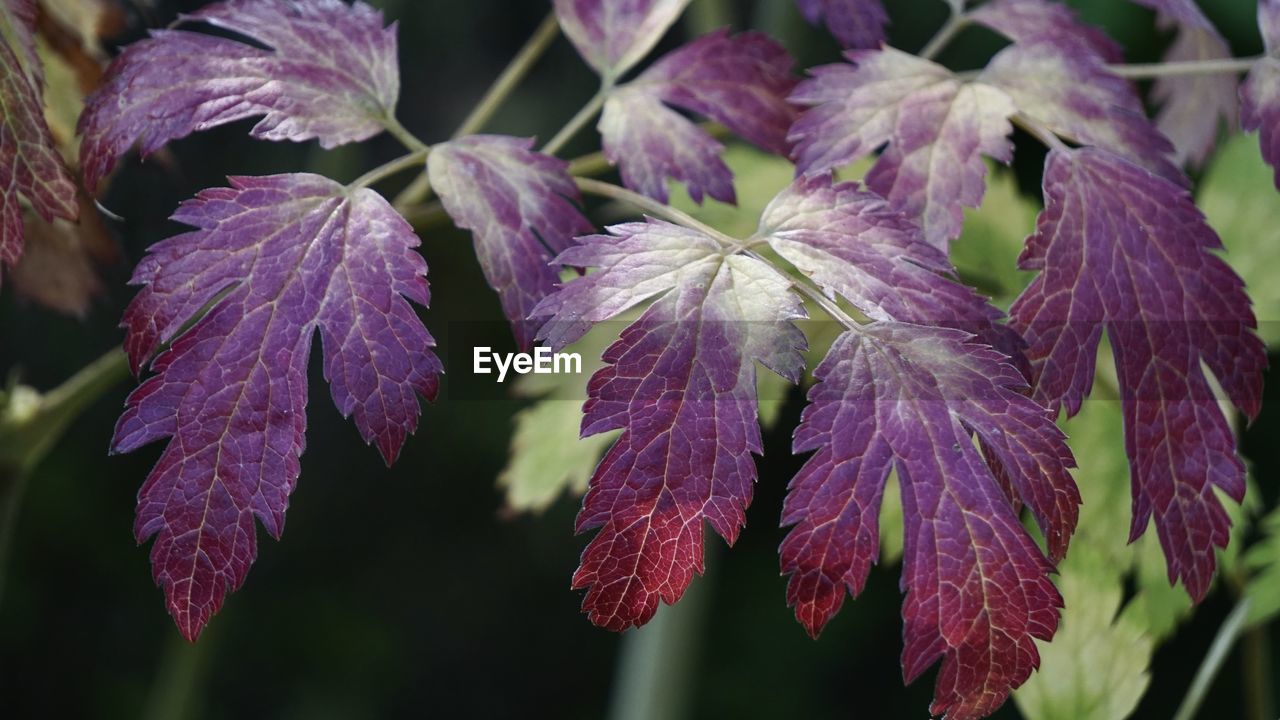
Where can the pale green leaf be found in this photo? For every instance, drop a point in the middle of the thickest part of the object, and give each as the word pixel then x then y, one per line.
pixel 1240 200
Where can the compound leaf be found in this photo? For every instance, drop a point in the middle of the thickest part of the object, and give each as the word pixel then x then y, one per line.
pixel 278 258
pixel 1033 21
pixel 329 72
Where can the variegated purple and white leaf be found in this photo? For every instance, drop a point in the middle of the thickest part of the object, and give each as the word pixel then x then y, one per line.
pixel 1035 21
pixel 907 398
pixel 740 81
pixel 1123 250
pixel 279 258
pixel 1193 108
pixel 858 24
pixel 521 206
pixel 1260 93
pixel 329 73
pixel 614 35
pixel 936 127
pixel 1079 99
pixel 31 168
pixel 680 383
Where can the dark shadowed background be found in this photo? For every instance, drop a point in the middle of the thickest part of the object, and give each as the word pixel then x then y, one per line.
pixel 407 592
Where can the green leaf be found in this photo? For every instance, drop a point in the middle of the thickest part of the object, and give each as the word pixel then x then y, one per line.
pixel 1096 666
pixel 1263 559
pixel 1238 197
pixel 987 252
pixel 547 455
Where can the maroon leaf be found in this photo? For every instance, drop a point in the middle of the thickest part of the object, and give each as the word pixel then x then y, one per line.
pixel 279 258
pixel 1036 21
pixel 1126 251
pixel 909 398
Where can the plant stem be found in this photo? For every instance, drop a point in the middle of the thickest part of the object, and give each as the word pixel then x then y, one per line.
pixel 28 434
pixel 1190 67
pixel 404 162
pixel 577 122
pixel 948 32
pixel 1167 69
pixel 402 134
pixel 515 72
pixel 652 207
pixel 1255 649
pixel 657 663
pixel 418 191
pixel 1212 663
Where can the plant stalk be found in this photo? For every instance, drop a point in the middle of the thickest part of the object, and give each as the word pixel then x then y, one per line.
pixel 1217 655
pixel 404 162
pixel 516 71
pixel 579 121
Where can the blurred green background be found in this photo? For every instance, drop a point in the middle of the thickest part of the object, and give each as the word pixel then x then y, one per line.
pixel 409 591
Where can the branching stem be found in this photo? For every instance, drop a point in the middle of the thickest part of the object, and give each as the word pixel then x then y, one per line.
pixel 401 133
pixel 670 214
pixel 948 32
pixel 1190 67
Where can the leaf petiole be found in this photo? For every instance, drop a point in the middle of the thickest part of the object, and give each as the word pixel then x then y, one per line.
pixel 404 162
pixel 579 121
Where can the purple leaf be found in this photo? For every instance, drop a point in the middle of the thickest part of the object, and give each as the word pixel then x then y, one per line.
pixel 31 169
pixel 279 258
pixel 937 129
pixel 1036 21
pixel 680 383
pixel 855 23
pixel 330 74
pixel 1078 98
pixel 614 35
pixel 907 398
pixel 1126 251
pixel 1193 107
pixel 1260 93
pixel 741 81
pixel 521 207
pixel 852 244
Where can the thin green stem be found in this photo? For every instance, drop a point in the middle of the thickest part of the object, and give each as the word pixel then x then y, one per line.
pixel 32 424
pixel 418 191
pixel 1217 655
pixel 1255 651
pixel 516 71
pixel 652 207
pixel 948 32
pixel 1190 67
pixel 579 121
pixel 386 170
pixel 1149 71
pixel 402 134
